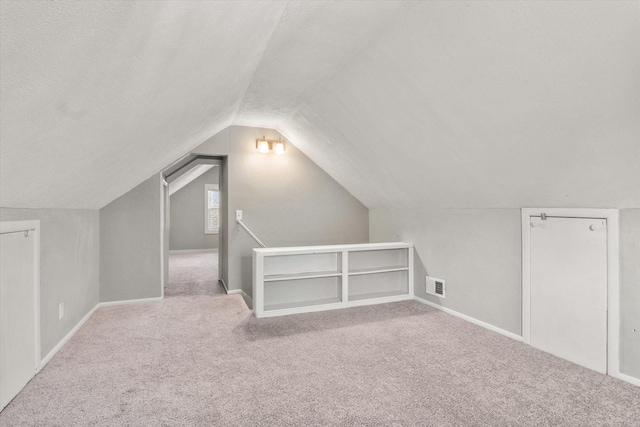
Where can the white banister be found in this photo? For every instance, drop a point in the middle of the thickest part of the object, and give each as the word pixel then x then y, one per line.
pixel 250 233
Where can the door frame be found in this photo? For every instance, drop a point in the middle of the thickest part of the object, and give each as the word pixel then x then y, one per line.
pixel 33 226
pixel 613 279
pixel 168 175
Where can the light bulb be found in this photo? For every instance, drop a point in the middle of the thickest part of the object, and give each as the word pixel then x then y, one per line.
pixel 263 147
pixel 279 148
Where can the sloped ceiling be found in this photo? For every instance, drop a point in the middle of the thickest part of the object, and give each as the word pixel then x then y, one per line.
pixel 406 104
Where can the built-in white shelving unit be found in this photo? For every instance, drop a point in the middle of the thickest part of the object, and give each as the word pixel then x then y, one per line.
pixel 316 278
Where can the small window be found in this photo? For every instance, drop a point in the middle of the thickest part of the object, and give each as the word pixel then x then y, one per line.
pixel 211 209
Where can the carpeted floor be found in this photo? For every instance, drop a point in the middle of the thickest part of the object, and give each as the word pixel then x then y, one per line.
pixel 204 360
pixel 193 274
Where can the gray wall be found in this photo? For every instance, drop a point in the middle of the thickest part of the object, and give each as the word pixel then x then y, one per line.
pixel 630 292
pixel 287 200
pixel 130 244
pixel 69 263
pixel 477 252
pixel 187 216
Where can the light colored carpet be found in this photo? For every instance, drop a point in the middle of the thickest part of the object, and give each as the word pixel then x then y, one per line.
pixel 204 360
pixel 193 274
pixel 199 358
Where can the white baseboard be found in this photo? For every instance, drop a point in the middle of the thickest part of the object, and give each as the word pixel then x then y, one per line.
pixel 248 300
pixel 627 378
pixel 191 251
pixel 75 329
pixel 624 377
pixel 226 289
pixel 66 338
pixel 470 319
pixel 129 301
pixel 239 292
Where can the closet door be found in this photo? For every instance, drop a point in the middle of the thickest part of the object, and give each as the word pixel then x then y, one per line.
pixel 18 348
pixel 569 289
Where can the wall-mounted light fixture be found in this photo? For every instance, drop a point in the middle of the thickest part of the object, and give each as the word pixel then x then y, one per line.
pixel 265 145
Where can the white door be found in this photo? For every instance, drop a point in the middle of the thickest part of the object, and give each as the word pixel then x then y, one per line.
pixel 569 289
pixel 18 357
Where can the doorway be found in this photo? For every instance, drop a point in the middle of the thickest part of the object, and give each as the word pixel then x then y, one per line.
pixel 19 306
pixel 193 231
pixel 570 285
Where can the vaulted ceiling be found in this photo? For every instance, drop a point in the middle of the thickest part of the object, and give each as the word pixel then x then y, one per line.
pixel 406 104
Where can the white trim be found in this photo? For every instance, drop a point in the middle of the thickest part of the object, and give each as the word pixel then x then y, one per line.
pixel 207 188
pixel 191 251
pixel 163 225
pixel 235 291
pixel 66 338
pixel 31 225
pixel 188 177
pixel 410 262
pixel 299 250
pixel 627 378
pixel 525 225
pixel 247 299
pixel 470 319
pixel 128 301
pixel 75 329
pixel 613 284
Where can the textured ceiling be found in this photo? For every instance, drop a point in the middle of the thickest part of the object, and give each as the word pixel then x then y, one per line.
pixel 406 104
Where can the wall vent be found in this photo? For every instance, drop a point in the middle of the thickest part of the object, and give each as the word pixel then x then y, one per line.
pixel 436 287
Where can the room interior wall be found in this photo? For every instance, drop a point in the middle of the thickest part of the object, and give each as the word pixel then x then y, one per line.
pixel 69 265
pixel 476 251
pixel 130 244
pixel 630 292
pixel 286 200
pixel 187 215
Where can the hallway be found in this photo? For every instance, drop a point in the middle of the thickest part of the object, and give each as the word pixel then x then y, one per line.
pixel 194 273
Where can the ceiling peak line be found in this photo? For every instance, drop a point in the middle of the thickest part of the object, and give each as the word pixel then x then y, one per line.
pixel 258 63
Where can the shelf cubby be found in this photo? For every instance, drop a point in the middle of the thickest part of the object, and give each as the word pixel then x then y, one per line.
pixel 302 292
pixel 379 259
pixel 378 285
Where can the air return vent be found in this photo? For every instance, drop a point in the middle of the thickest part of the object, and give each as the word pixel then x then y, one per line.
pixel 436 287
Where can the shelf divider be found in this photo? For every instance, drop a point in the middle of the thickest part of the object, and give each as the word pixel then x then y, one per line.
pixel 377 295
pixel 378 270
pixel 306 275
pixel 297 304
